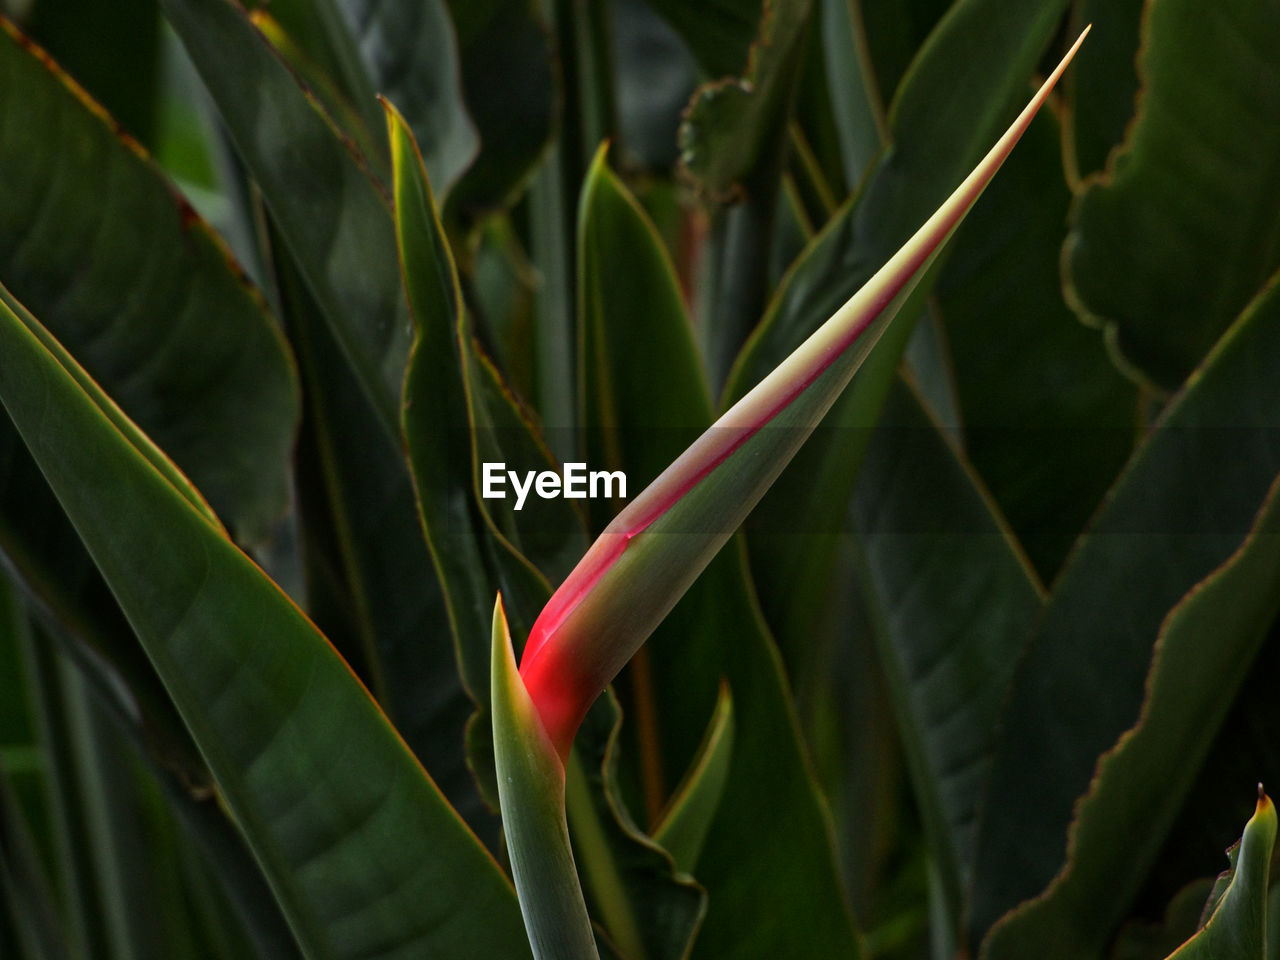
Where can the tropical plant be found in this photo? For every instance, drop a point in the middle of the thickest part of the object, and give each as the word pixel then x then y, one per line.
pixel 310 311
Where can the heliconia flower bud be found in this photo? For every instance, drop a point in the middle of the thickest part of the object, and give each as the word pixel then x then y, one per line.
pixel 656 547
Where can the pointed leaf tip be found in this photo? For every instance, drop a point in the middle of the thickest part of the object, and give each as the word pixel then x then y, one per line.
pixel 631 577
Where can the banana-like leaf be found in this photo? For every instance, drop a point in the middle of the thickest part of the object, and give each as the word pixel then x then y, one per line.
pixel 1139 785
pixel 951 600
pixel 333 217
pixel 360 848
pixel 1091 651
pixel 655 548
pixel 1237 927
pixel 1160 267
pixel 531 782
pixel 98 243
pixel 371 587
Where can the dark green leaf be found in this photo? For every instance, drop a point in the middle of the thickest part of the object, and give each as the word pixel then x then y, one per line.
pixel 949 98
pixel 360 847
pixel 112 49
pixel 511 90
pixel 693 805
pixel 1048 422
pixel 411 55
pixel 951 599
pixel 457 414
pixel 373 590
pixel 894 32
pixel 649 910
pixel 334 219
pixel 1139 785
pixel 1184 228
pixel 95 240
pixel 1164 528
pixel 1101 91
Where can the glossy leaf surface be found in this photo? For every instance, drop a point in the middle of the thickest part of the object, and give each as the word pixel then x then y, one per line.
pixel 951 600
pixel 333 217
pixel 140 287
pixel 365 855
pixel 411 54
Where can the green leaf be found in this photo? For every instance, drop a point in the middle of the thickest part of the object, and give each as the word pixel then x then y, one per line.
pixel 895 31
pixel 511 87
pixel 372 588
pixel 632 885
pixel 531 784
pixel 334 219
pixel 374 855
pixel 1140 784
pixel 113 50
pixel 1090 654
pixel 1099 95
pixel 1161 270
pixel 457 413
pixel 951 599
pixel 94 239
pixel 732 124
pixel 411 55
pixel 718 32
pixel 1048 421
pixel 1236 930
pixel 682 832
